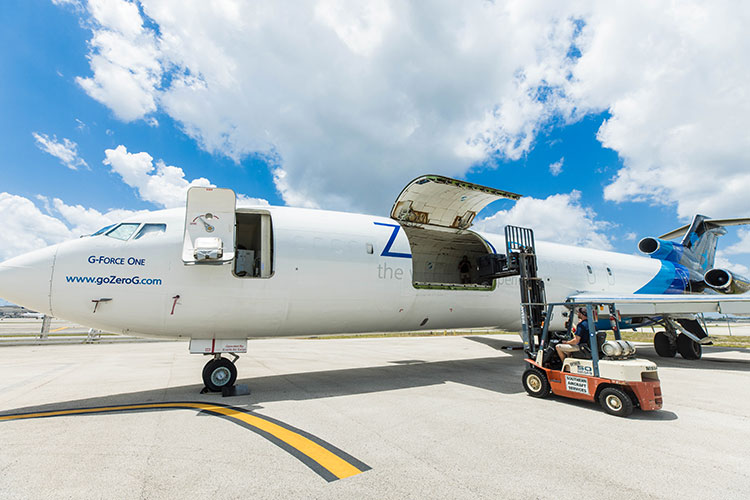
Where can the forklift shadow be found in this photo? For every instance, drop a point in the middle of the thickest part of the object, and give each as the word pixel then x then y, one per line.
pixel 653 416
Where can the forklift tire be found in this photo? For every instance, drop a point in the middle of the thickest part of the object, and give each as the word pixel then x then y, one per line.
pixel 688 348
pixel 535 382
pixel 616 402
pixel 664 345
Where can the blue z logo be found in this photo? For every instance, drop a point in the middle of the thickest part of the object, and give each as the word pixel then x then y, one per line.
pixel 387 250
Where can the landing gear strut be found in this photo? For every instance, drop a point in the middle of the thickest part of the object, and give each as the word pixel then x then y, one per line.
pixel 219 373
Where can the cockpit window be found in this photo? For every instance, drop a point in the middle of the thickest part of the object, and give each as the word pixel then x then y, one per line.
pixel 103 230
pixel 123 231
pixel 150 230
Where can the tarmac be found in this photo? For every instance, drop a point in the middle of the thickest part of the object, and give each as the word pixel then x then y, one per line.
pixel 432 417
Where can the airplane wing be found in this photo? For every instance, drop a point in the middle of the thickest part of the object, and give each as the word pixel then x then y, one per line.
pixel 657 305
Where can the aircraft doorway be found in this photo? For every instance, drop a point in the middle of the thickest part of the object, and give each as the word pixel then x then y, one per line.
pixel 437 256
pixel 254 240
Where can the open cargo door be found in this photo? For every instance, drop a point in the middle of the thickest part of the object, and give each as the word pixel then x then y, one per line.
pixel 435 200
pixel 209 226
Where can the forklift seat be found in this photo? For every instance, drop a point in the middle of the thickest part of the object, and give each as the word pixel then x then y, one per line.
pixel 585 352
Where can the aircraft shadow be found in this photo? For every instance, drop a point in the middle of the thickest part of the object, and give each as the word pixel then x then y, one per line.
pixel 498 374
pixel 501 374
pixel 707 362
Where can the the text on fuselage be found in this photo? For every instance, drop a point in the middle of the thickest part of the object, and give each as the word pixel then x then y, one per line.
pixel 116 261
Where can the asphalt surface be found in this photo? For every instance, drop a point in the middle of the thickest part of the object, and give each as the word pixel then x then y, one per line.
pixel 438 417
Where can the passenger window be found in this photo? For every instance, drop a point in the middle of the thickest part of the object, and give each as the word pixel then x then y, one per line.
pixel 150 230
pixel 123 231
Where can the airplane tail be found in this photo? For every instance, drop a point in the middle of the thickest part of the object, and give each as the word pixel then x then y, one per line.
pixel 701 238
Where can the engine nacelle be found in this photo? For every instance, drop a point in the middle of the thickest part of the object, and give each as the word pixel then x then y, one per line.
pixel 725 281
pixel 661 249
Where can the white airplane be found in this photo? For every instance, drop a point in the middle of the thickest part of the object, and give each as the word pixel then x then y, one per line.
pixel 218 275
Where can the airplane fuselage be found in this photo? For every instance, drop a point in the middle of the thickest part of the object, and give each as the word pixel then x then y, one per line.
pixel 332 272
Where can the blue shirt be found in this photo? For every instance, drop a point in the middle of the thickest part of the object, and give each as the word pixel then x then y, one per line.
pixel 582 330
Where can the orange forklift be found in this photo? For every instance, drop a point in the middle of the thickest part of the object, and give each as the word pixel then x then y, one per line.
pixel 608 373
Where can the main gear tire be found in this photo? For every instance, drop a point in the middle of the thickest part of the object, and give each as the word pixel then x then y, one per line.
pixel 665 347
pixel 688 348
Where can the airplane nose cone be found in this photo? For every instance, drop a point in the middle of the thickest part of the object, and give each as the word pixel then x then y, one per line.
pixel 25 280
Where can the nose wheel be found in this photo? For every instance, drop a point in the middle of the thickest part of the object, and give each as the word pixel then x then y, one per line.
pixel 219 373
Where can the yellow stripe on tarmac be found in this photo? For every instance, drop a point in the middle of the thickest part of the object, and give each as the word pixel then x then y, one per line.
pixel 59 329
pixel 325 458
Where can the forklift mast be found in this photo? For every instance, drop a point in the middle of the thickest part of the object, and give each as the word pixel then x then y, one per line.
pixel 519 246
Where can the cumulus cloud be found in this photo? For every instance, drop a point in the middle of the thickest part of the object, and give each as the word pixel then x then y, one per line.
pixel 124 59
pixel 558 218
pixel 724 263
pixel 742 246
pixel 352 98
pixel 162 185
pixel 556 168
pixel 66 150
pixel 674 81
pixel 27 227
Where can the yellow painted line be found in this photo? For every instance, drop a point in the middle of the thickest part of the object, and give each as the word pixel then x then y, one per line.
pixel 325 458
pixel 58 329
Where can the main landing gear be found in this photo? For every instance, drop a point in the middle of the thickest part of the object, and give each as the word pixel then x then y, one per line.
pixel 671 341
pixel 220 373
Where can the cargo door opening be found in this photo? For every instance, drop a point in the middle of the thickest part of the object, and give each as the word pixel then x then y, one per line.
pixel 437 254
pixel 254 253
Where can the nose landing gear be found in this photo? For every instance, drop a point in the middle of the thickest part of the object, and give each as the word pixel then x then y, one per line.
pixel 219 373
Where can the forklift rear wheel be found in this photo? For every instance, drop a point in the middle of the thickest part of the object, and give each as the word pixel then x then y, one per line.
pixel 535 382
pixel 616 402
pixel 219 373
pixel 664 345
pixel 689 349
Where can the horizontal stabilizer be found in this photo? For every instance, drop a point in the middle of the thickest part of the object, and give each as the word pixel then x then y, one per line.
pixel 710 223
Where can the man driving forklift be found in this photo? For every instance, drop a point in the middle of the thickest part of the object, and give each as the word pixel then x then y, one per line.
pixel 580 337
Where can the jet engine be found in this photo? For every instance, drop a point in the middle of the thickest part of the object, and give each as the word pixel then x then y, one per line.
pixel 724 281
pixel 661 249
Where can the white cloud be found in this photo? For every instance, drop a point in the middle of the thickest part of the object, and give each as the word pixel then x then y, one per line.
pixel 356 98
pixel 631 236
pixel 162 184
pixel 724 263
pixel 353 98
pixel 742 246
pixel 556 168
pixel 65 151
pixel 124 58
pixel 26 228
pixel 558 218
pixel 673 78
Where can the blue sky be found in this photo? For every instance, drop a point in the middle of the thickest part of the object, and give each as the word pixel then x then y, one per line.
pixel 338 105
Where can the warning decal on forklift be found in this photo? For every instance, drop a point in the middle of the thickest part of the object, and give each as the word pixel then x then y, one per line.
pixel 577 384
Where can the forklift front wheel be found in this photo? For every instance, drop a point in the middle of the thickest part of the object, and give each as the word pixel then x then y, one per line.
pixel 535 382
pixel 616 402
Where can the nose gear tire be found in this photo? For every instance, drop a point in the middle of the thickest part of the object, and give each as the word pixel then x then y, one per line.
pixel 219 373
